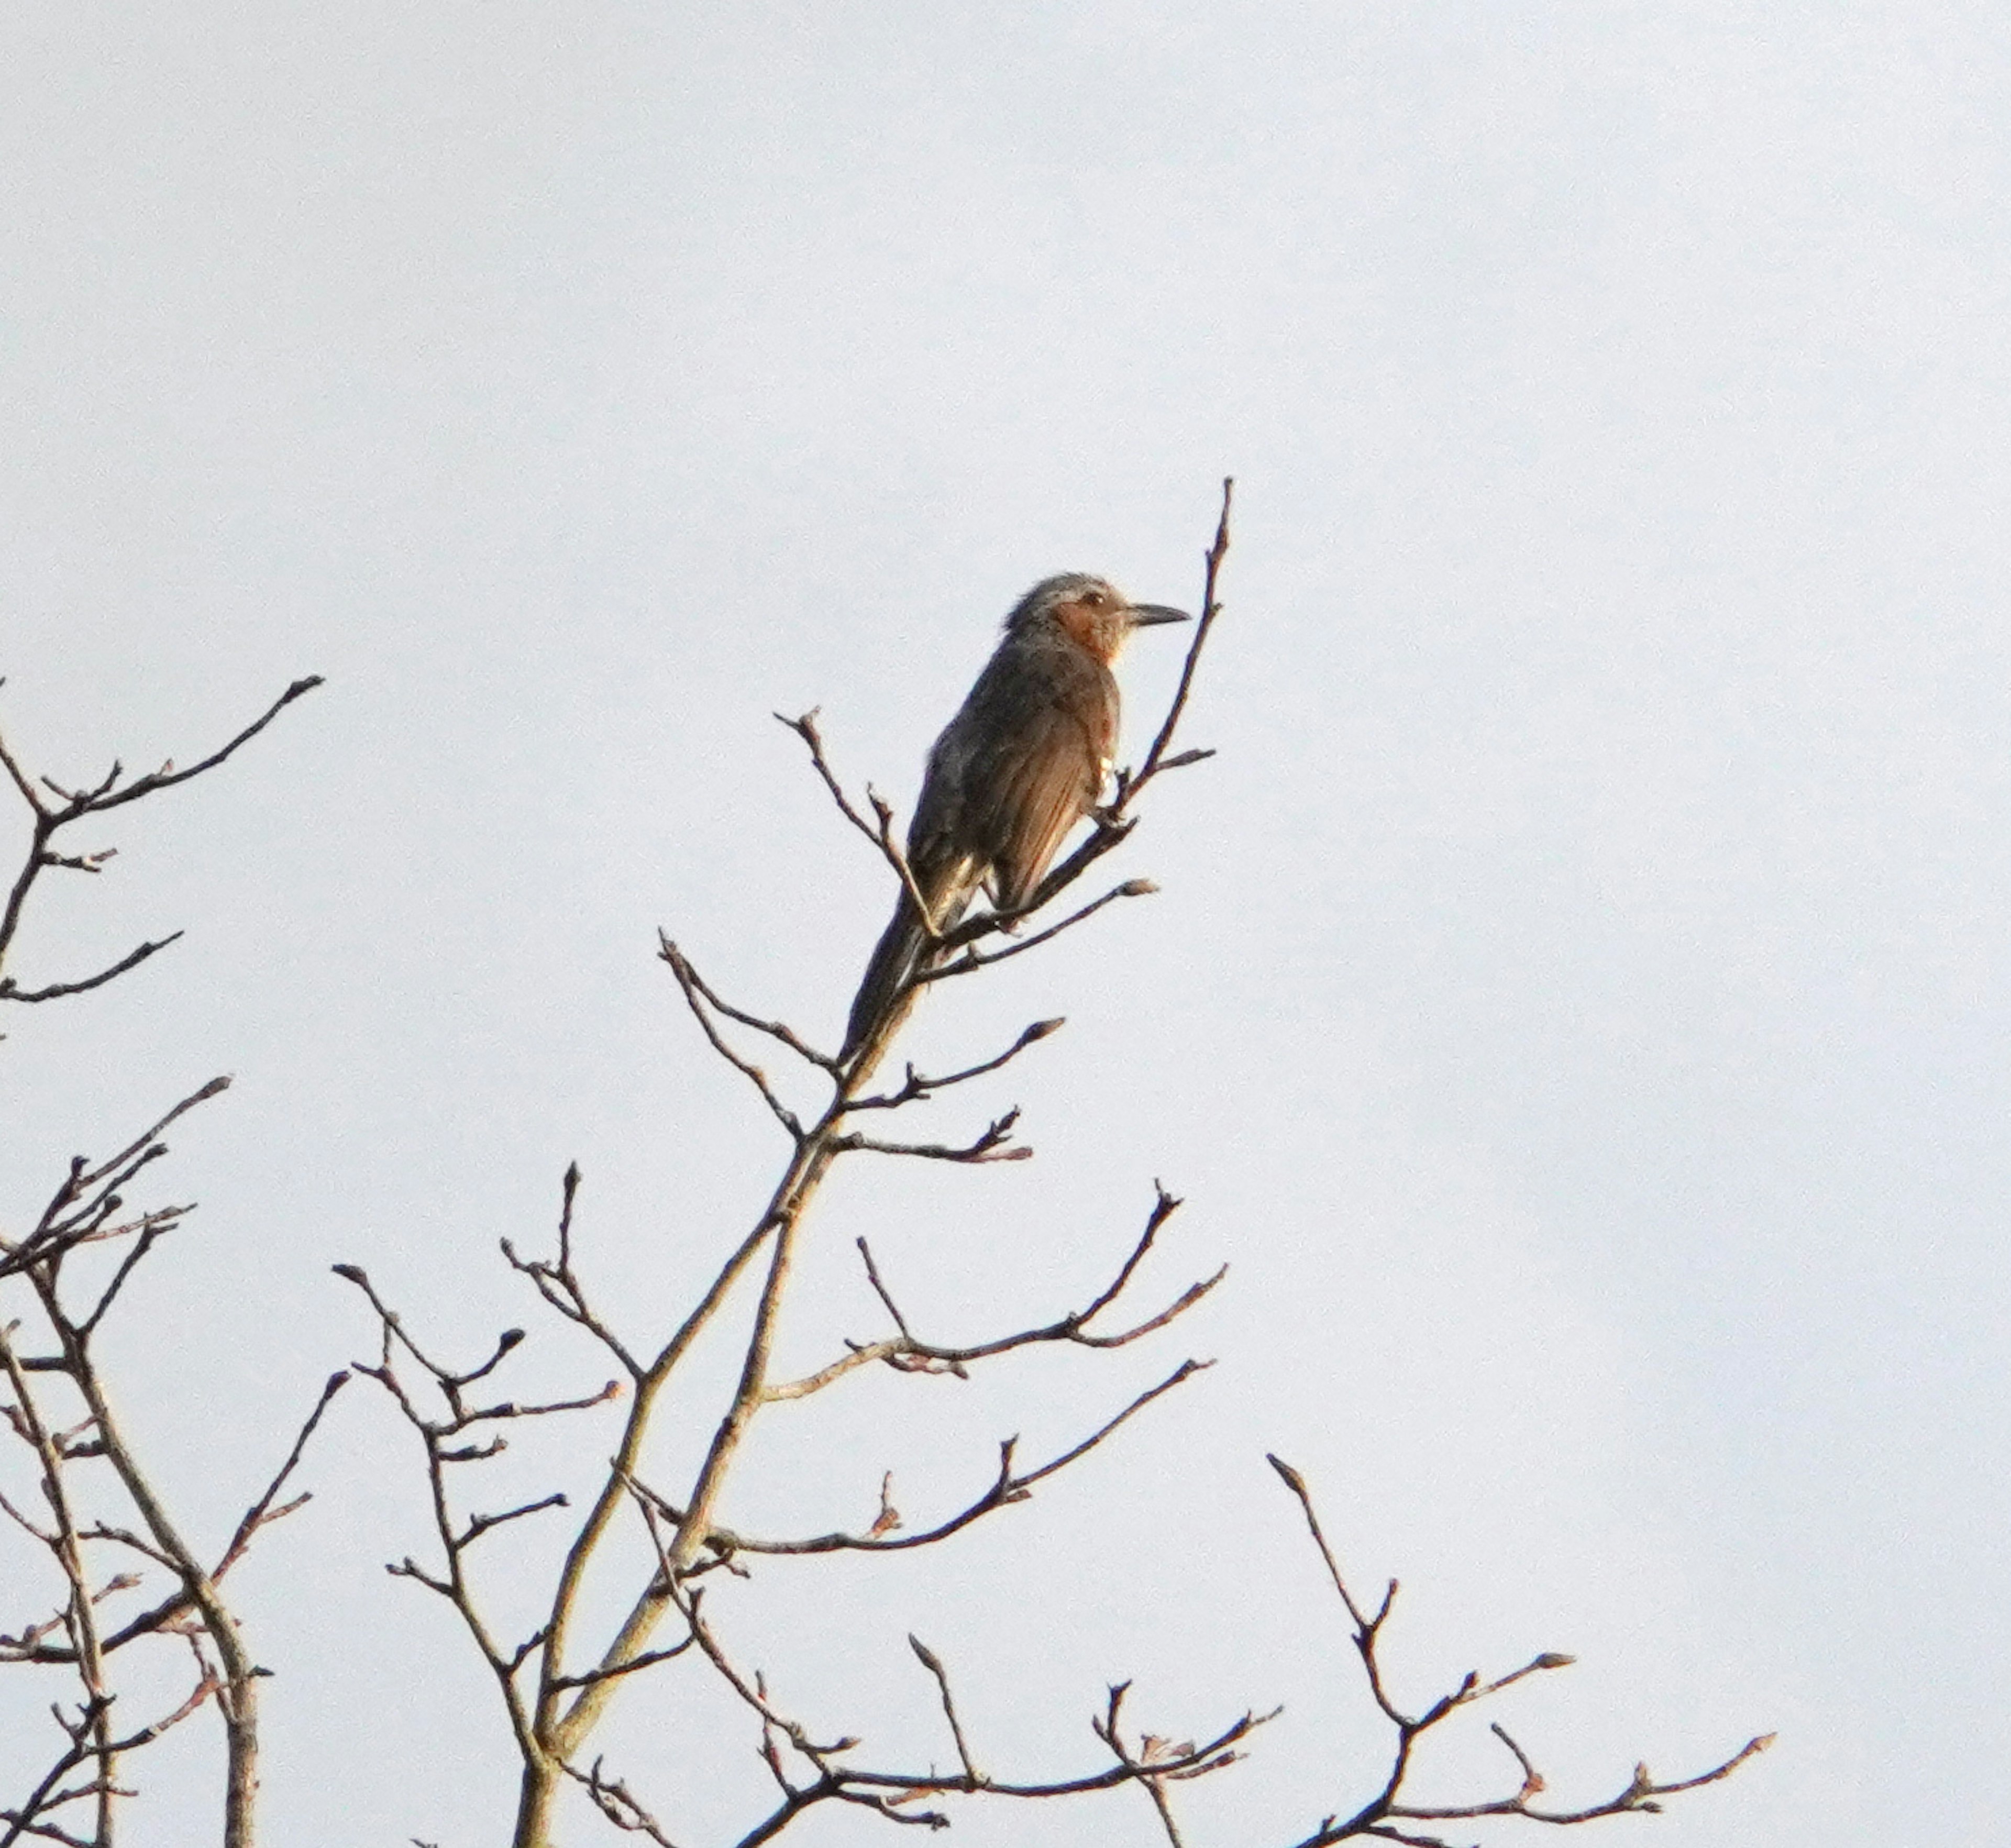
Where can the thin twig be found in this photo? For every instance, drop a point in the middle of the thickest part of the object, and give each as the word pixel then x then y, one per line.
pixel 56 990
pixel 880 1289
pixel 929 1661
pixel 988 921
pixel 992 1144
pixel 776 1030
pixel 1155 758
pixel 908 1354
pixel 915 1085
pixel 1008 1485
pixel 882 837
pixel 681 967
pixel 559 1284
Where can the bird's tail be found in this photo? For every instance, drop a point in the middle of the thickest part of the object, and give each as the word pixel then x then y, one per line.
pixel 904 950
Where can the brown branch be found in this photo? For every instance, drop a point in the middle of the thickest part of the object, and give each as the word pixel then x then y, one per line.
pixel 74 803
pixel 1156 759
pixel 814 1154
pixel 79 1211
pixel 776 1030
pixel 478 1525
pixel 688 983
pixel 55 990
pixel 880 1289
pixel 80 1617
pixel 751 1690
pixel 443 1441
pixel 915 1085
pixel 882 837
pixel 261 1512
pixel 542 1751
pixel 989 921
pixel 22 780
pixel 1007 1486
pixel 910 1355
pixel 1212 1755
pixel 648 1660
pixel 619 1804
pixel 1158 1761
pixel 163 1614
pixel 166 776
pixel 929 1661
pixel 881 1790
pixel 991 1145
pixel 238 1694
pixel 559 1284
pixel 1377 1817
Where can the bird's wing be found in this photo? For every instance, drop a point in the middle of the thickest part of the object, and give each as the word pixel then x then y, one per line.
pixel 1042 778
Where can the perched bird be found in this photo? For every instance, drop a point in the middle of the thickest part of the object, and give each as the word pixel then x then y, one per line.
pixel 1023 760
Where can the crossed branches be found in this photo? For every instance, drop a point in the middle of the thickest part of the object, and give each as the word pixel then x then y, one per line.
pixel 107 1540
pixel 470 1429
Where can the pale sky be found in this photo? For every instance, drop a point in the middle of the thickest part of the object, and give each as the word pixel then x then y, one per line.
pixel 1575 1004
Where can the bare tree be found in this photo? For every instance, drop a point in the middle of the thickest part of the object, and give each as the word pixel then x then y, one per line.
pixel 556 1681
pixel 122 1574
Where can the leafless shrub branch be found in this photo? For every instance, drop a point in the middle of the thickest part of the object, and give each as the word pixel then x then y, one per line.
pixel 807 1769
pixel 992 1144
pixel 1009 1485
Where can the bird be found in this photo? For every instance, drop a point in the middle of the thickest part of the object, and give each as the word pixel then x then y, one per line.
pixel 1023 761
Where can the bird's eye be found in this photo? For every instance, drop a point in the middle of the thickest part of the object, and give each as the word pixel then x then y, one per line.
pixel 1093 599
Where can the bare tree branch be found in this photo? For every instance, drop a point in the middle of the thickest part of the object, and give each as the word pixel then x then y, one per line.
pixel 1009 1485
pixel 972 960
pixel 1379 1817
pixel 1156 759
pixel 50 818
pixel 915 1086
pixel 692 990
pixel 881 836
pixel 929 1659
pixel 990 1145
pixel 775 1030
pixel 559 1283
pixel 56 990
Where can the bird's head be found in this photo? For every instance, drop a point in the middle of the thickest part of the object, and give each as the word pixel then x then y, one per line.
pixel 1092 612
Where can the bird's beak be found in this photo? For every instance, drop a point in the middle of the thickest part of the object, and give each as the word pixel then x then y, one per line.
pixel 1145 615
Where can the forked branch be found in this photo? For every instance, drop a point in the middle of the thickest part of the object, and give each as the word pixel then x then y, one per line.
pixel 1384 1815
pixel 908 1354
pixel 85 1211
pixel 49 818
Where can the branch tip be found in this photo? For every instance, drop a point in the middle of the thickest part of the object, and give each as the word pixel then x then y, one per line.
pixel 1293 1480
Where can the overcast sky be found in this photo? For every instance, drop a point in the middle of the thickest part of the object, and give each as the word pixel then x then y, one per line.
pixel 1575 1005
